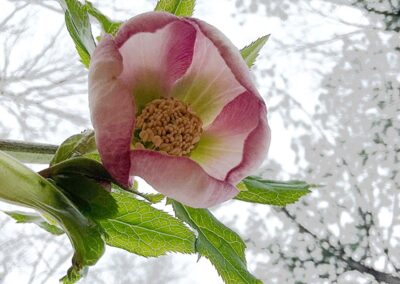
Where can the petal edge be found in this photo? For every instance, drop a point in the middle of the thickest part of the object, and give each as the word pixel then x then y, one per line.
pixel 180 178
pixel 107 93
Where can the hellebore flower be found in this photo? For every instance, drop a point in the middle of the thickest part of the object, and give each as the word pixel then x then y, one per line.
pixel 172 102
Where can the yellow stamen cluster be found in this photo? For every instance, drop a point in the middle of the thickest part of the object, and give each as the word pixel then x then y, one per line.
pixel 168 125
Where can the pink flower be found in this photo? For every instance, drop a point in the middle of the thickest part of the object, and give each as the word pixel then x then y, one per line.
pixel 172 101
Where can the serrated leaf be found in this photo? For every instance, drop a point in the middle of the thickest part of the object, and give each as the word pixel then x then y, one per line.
pixel 34 218
pixel 127 222
pixel 74 146
pixel 141 229
pixel 79 28
pixel 153 197
pixel 222 246
pixel 22 186
pixel 182 8
pixel 272 192
pixel 250 52
pixel 107 25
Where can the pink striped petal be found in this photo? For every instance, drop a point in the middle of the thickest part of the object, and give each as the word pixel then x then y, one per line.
pixel 180 178
pixel 221 146
pixel 209 83
pixel 112 109
pixel 153 61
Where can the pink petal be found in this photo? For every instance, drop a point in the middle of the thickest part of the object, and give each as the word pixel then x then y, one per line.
pixel 254 153
pixel 209 83
pixel 153 61
pixel 143 23
pixel 180 178
pixel 257 143
pixel 229 53
pixel 222 144
pixel 112 109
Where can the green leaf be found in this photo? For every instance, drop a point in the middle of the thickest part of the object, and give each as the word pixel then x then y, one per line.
pixel 107 25
pixel 74 275
pixel 127 222
pixel 34 218
pixel 78 166
pixel 74 146
pixel 22 186
pixel 153 197
pixel 183 8
pixel 272 192
pixel 141 229
pixel 79 28
pixel 250 52
pixel 223 247
pixel 89 195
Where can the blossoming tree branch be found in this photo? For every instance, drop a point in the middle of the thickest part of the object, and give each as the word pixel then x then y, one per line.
pixel 172 101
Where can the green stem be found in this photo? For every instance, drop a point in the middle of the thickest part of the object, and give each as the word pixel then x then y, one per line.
pixel 35 153
pixel 21 186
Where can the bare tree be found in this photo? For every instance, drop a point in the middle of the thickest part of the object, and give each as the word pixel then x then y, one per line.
pixel 349 141
pixel 39 85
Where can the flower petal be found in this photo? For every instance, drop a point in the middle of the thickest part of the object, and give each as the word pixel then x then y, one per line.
pixel 143 23
pixel 221 146
pixel 257 143
pixel 254 152
pixel 112 109
pixel 180 178
pixel 208 84
pixel 153 61
pixel 231 55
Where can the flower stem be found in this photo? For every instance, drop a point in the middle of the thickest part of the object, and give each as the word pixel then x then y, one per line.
pixel 26 152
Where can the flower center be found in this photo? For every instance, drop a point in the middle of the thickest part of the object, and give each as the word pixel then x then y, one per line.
pixel 168 125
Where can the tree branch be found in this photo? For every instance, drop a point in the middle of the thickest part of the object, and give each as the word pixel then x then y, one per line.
pixel 35 153
pixel 339 254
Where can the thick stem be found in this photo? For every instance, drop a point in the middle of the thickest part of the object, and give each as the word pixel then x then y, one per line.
pixel 35 153
pixel 21 186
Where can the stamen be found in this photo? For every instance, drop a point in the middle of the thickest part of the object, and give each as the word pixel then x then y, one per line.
pixel 169 126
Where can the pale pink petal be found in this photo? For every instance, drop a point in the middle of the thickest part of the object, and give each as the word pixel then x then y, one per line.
pixel 229 53
pixel 257 143
pixel 112 109
pixel 208 84
pixel 221 146
pixel 144 23
pixel 180 178
pixel 153 61
pixel 254 153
